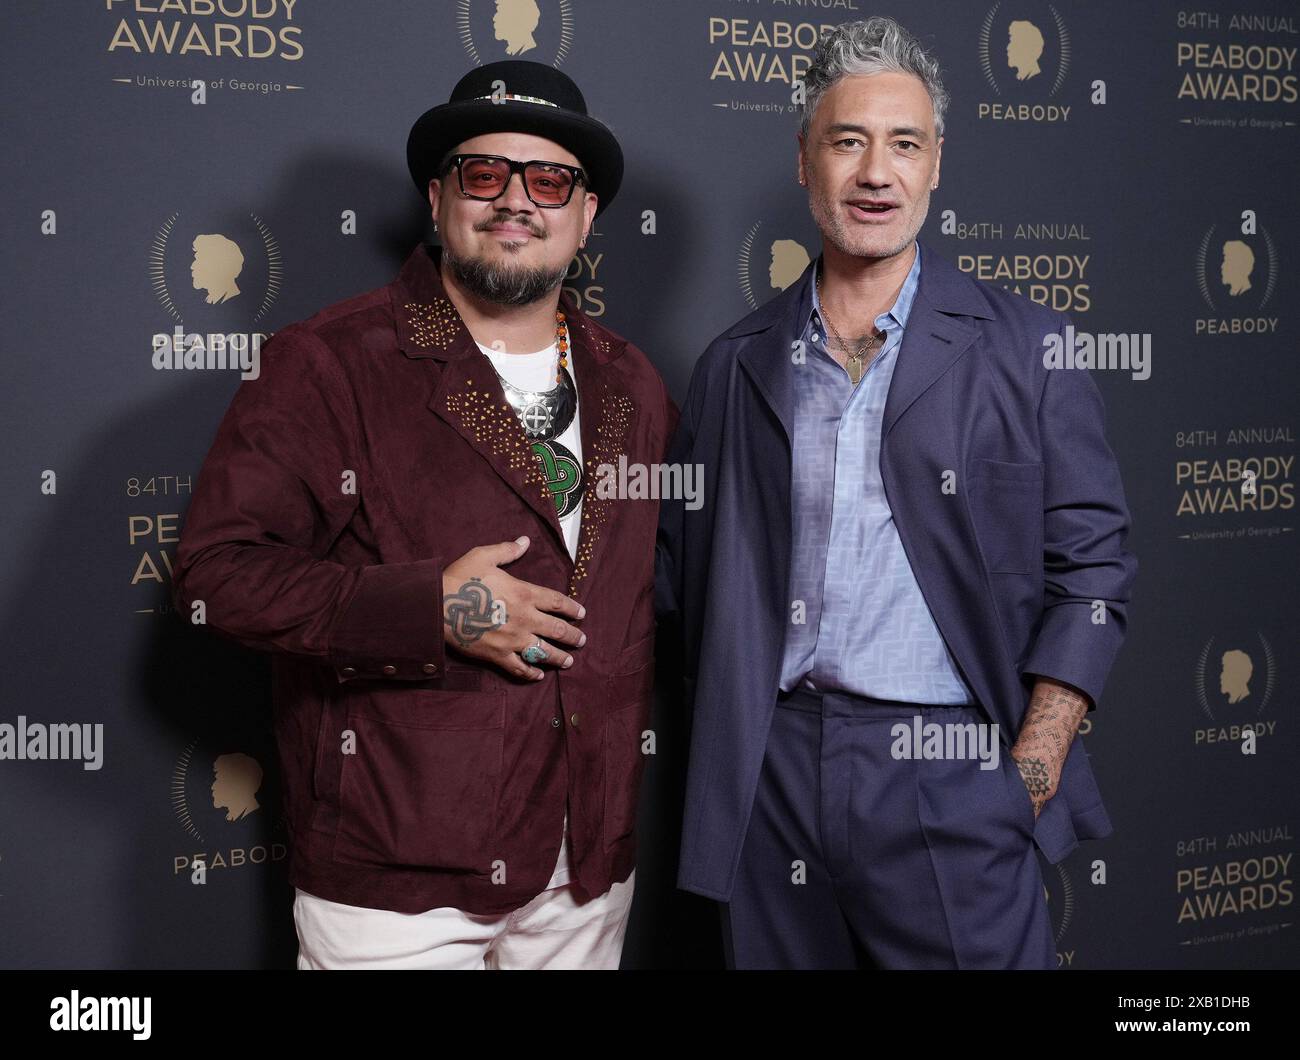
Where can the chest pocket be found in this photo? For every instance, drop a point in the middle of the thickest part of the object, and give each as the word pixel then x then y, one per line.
pixel 1006 505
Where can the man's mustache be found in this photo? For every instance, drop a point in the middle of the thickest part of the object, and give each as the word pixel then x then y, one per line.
pixel 506 217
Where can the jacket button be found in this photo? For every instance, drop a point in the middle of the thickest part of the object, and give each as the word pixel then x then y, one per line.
pixel 573 720
pixel 555 723
pixel 349 671
pixel 390 669
pixel 430 668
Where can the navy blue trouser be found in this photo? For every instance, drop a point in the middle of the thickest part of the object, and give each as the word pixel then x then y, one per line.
pixel 855 859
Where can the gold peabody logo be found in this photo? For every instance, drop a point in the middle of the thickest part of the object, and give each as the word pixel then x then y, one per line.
pixel 764 60
pixel 1044 265
pixel 217 29
pixel 1244 480
pixel 1237 70
pixel 1025 61
pixel 1251 875
pixel 220 801
pixel 779 263
pixel 539 30
pixel 1237 271
pixel 1233 687
pixel 224 274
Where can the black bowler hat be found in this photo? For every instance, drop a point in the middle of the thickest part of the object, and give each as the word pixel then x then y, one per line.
pixel 536 99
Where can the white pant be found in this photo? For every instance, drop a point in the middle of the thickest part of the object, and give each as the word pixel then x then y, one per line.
pixel 551 931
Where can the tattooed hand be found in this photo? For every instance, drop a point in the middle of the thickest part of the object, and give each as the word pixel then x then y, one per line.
pixel 489 615
pixel 1053 717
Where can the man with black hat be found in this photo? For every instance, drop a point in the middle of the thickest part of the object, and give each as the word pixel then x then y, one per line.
pixel 460 744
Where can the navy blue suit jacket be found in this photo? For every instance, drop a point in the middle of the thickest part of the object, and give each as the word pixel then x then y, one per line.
pixel 1010 565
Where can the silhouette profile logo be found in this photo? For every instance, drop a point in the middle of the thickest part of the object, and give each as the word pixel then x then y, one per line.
pixel 1232 268
pixel 227 795
pixel 1237 265
pixel 217 274
pixel 1024 49
pixel 540 30
pixel 514 23
pixel 783 260
pixel 236 779
pixel 1234 675
pixel 1035 59
pixel 218 261
pixel 789 259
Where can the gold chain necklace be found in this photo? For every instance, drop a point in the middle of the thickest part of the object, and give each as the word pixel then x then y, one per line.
pixel 853 364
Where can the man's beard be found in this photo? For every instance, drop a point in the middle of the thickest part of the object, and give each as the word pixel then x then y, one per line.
pixel 503 284
pixel 836 231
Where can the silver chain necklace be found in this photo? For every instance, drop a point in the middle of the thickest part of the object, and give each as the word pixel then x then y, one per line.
pixel 545 414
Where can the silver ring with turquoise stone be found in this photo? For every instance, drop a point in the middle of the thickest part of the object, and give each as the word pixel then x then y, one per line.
pixel 533 654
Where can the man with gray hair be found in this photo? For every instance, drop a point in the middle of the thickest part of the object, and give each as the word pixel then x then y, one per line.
pixel 912 531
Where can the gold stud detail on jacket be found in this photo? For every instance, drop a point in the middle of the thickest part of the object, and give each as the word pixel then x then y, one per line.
pixel 495 427
pixel 597 338
pixel 611 440
pixel 433 324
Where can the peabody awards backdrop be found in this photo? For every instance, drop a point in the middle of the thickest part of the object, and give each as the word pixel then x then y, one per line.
pixel 222 168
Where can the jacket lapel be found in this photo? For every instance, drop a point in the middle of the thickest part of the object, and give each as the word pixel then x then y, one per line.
pixel 938 333
pixel 468 395
pixel 607 415
pixel 931 343
pixel 769 358
pixel 468 398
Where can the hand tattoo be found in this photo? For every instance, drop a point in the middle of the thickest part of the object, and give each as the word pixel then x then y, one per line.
pixel 1033 771
pixel 471 612
pixel 1051 721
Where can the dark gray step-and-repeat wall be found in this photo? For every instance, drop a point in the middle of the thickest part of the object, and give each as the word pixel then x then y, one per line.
pixel 1132 163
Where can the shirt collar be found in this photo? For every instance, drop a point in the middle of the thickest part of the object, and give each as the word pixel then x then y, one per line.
pixel 902 307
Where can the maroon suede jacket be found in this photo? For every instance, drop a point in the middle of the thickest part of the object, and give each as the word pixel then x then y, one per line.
pixel 451 789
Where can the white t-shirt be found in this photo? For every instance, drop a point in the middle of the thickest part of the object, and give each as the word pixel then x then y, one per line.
pixel 536 371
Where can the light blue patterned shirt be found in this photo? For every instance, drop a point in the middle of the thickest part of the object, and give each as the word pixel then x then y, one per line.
pixel 868 630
